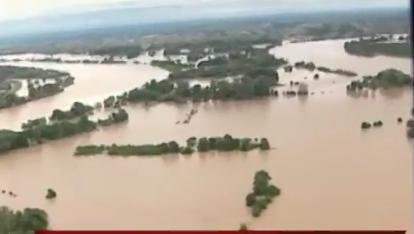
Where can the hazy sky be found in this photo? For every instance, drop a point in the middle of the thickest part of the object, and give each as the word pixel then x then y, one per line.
pixel 20 9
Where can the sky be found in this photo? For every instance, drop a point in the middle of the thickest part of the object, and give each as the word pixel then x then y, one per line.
pixel 26 9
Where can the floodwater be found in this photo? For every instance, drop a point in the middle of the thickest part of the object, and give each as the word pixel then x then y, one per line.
pixel 332 174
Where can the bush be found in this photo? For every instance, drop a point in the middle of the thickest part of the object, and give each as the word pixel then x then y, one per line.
pixel 51 194
pixel 410 123
pixel 365 125
pixel 186 150
pixel 377 123
pixel 243 227
pixel 410 132
pixel 264 144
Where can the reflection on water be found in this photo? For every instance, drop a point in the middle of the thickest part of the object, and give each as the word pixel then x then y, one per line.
pixel 332 175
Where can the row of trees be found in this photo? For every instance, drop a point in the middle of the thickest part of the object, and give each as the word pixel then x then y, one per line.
pixel 37 131
pixel 226 143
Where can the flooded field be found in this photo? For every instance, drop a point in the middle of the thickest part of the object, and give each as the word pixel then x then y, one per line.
pixel 332 174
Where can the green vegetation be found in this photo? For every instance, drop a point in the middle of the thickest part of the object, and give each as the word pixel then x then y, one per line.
pixel 14 72
pixel 373 47
pixel 51 194
pixel 170 65
pixel 9 84
pixel 34 123
pixel 115 117
pixel 263 193
pixel 63 124
pixel 377 123
pixel 22 222
pixel 410 128
pixel 121 50
pixel 305 65
pixel 337 71
pixel 252 64
pixel 204 144
pixel 365 125
pixel 390 78
pixel 243 227
pixel 169 91
pixel 89 149
pixel 128 150
pixel 77 109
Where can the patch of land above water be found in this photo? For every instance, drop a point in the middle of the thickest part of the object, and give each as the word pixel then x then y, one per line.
pixel 383 45
pixel 37 84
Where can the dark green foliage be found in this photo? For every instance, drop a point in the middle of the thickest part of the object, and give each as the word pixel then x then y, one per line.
pixel 89 149
pixel 168 91
pixel 377 123
pixel 389 78
pixel 264 144
pixel 226 143
pixel 14 72
pixel 203 145
pixel 186 150
pixel 130 51
pixel 51 194
pixel 173 147
pixel 410 132
pixel 337 71
pixel 77 109
pixel 365 125
pixel 118 116
pixel 192 141
pixel 12 140
pixel 250 199
pixel 243 227
pixel 304 65
pixel 263 193
pixel 34 123
pixel 109 102
pixel 26 222
pixel 373 47
pixel 8 97
pixel 138 150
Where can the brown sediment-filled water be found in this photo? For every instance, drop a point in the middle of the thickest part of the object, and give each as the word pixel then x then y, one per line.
pixel 332 174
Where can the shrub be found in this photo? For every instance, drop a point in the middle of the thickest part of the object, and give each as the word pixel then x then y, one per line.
pixel 365 125
pixel 51 194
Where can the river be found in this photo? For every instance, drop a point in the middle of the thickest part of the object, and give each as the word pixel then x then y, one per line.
pixel 332 174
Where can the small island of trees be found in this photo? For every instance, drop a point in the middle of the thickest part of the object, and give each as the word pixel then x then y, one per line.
pixel 51 194
pixel 263 193
pixel 386 79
